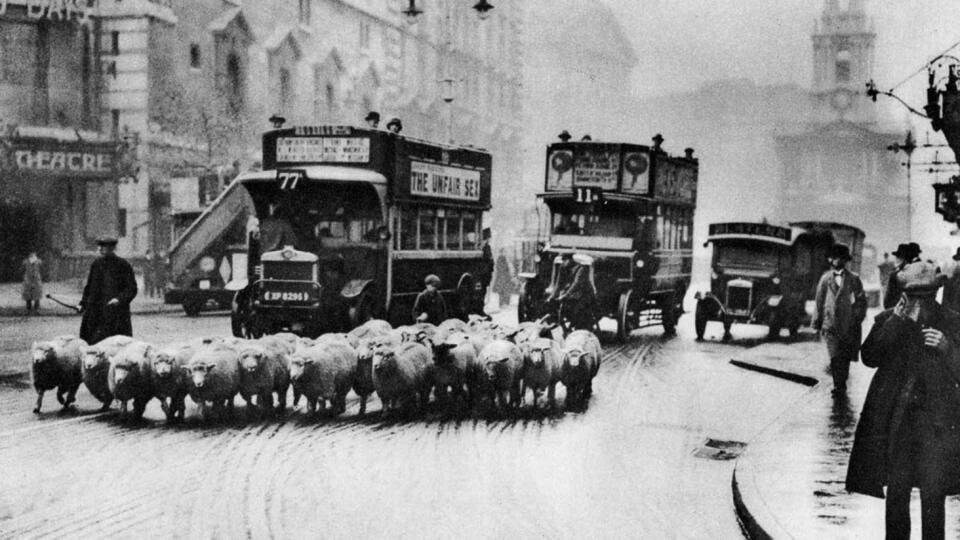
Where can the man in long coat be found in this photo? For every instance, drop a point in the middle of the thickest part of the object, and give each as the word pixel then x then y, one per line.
pixel 905 254
pixel 579 298
pixel 110 288
pixel 841 306
pixel 909 431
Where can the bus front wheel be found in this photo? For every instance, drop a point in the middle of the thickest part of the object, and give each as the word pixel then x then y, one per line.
pixel 624 317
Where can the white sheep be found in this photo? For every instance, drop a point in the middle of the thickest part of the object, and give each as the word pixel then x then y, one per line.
pixel 131 377
pixel 263 372
pixel 401 373
pixel 502 363
pixel 96 366
pixel 215 377
pixel 542 358
pixel 582 355
pixel 57 364
pixel 324 373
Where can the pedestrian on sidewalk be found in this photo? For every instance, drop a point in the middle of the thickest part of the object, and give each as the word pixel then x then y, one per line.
pixel 951 287
pixel 909 431
pixel 841 306
pixel 905 254
pixel 32 282
pixel 110 288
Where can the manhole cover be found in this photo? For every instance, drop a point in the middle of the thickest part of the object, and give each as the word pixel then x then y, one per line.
pixel 720 450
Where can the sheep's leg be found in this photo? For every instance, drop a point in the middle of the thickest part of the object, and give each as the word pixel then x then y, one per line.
pixel 36 410
pixel 311 406
pixel 363 404
pixel 139 405
pixel 123 407
pixel 589 390
pixel 536 394
pixel 71 396
pixel 281 401
pixel 60 395
pixel 106 404
pixel 551 394
pixel 296 397
pixel 167 411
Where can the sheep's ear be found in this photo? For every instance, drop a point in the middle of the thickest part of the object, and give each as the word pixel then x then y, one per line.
pixel 308 361
pixel 210 366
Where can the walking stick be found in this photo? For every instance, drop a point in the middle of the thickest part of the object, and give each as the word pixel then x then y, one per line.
pixel 64 304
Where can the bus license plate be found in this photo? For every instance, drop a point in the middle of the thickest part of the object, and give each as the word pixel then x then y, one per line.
pixel 285 296
pixel 204 284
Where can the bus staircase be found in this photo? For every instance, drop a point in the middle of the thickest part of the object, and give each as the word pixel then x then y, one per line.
pixel 215 221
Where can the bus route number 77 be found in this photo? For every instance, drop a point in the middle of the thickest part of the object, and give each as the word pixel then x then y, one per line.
pixel 289 178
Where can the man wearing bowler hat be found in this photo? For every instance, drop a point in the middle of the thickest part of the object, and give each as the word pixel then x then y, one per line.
pixel 373 120
pixel 905 254
pixel 106 297
pixel 841 306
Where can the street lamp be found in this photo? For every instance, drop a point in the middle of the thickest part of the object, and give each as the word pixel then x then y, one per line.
pixel 908 146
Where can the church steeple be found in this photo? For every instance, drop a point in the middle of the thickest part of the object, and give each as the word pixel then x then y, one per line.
pixel 843 43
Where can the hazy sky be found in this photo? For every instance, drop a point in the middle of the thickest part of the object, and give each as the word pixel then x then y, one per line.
pixel 682 44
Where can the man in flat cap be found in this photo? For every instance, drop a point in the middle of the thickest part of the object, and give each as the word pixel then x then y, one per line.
pixel 905 254
pixel 106 297
pixel 429 306
pixel 373 120
pixel 908 434
pixel 841 306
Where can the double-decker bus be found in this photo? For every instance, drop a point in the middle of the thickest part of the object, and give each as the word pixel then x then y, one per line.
pixel 629 210
pixel 351 220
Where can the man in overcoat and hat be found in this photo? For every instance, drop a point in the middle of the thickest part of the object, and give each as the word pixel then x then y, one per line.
pixel 841 306
pixel 110 288
pixel 905 254
pixel 909 431
pixel 951 285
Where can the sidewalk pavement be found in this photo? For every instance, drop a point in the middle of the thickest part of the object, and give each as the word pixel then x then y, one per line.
pixel 13 305
pixel 790 481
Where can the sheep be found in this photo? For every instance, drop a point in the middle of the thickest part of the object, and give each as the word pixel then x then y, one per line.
pixel 263 371
pixel 285 342
pixel 130 377
pixel 452 358
pixel 400 373
pixel 215 377
pixel 324 373
pixel 581 362
pixel 96 365
pixel 502 364
pixel 541 368
pixel 370 329
pixel 448 327
pixel 57 364
pixel 170 379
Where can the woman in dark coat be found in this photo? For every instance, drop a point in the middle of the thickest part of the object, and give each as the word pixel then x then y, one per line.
pixel 909 431
pixel 110 288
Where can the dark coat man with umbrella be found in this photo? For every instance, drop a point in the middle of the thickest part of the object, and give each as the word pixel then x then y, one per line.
pixel 110 288
pixel 909 431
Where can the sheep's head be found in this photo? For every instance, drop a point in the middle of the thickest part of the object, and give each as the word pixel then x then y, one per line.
pixel 298 366
pixel 574 357
pixel 42 353
pixel 94 357
pixel 251 359
pixel 538 353
pixel 199 371
pixel 495 366
pixel 164 364
pixel 383 359
pixel 123 370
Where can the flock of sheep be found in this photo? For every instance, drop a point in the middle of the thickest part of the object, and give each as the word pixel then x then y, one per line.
pixel 461 363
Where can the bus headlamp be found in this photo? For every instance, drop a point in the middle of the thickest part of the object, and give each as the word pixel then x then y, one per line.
pixel 776 280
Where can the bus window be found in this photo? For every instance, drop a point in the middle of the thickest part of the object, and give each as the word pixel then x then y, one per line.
pixel 428 228
pixel 452 232
pixel 471 232
pixel 408 228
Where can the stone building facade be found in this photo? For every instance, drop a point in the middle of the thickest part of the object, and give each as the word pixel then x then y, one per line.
pixel 185 88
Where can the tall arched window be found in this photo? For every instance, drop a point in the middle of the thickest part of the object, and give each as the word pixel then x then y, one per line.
pixel 234 83
pixel 843 66
pixel 285 90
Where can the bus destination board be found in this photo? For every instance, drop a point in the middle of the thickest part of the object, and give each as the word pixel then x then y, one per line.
pixel 323 149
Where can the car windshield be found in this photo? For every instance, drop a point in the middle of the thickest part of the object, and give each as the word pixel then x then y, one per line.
pixel 594 224
pixel 749 255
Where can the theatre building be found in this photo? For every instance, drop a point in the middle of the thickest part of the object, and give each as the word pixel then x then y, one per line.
pixel 58 170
